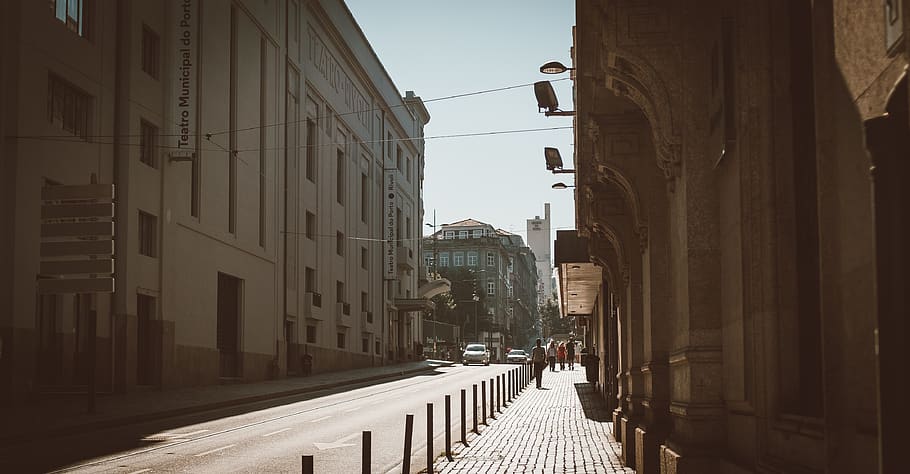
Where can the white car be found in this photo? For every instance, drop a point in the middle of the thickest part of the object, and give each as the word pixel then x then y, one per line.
pixel 476 354
pixel 517 356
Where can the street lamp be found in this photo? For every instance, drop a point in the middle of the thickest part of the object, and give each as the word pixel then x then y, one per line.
pixel 476 301
pixel 555 67
pixel 435 269
pixel 561 185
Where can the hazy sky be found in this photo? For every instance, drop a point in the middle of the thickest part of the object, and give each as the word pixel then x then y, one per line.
pixel 439 48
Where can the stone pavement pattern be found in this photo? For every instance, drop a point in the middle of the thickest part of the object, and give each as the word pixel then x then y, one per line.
pixel 564 427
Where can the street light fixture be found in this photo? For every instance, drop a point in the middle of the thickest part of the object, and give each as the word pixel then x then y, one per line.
pixel 546 99
pixel 554 160
pixel 561 185
pixel 555 67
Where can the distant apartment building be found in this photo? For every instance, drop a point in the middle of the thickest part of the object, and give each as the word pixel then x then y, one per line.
pixel 255 149
pixel 504 270
pixel 540 240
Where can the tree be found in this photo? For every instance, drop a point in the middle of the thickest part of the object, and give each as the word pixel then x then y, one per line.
pixel 553 322
pixel 457 306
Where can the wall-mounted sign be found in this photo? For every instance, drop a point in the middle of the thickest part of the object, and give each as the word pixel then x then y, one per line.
pixel 184 43
pixel 77 247
pixel 390 224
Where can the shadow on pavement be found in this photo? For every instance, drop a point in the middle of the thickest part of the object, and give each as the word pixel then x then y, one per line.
pixel 43 452
pixel 593 406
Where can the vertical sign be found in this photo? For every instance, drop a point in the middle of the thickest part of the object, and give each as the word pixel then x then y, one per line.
pixel 390 220
pixel 184 40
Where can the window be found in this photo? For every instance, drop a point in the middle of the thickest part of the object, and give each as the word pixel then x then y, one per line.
pixel 407 228
pixel 364 258
pixel 341 340
pixel 339 291
pixel 449 234
pixel 364 197
pixel 462 234
pixel 309 280
pixel 491 288
pixel 491 259
pixel 478 233
pixel 339 243
pixel 339 170
pixel 365 346
pixel 148 144
pixel 389 141
pixel 150 52
pixel 365 305
pixel 511 265
pixel 407 169
pixel 76 14
pixel 443 260
pixel 398 156
pixel 148 234
pixel 472 259
pixel 378 347
pixel 68 107
pixel 459 259
pixel 310 225
pixel 311 334
pixel 311 150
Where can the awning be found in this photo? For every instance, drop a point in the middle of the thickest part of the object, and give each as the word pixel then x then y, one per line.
pixel 403 305
pixel 579 279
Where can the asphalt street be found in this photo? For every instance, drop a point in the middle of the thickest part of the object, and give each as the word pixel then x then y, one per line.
pixel 271 436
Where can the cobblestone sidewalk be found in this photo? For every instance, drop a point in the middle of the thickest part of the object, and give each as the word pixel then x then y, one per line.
pixel 561 428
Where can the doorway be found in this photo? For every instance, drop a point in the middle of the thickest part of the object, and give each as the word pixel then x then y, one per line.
pixel 228 330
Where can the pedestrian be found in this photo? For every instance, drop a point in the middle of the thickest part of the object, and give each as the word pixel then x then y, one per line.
pixel 570 353
pixel 551 355
pixel 561 355
pixel 539 360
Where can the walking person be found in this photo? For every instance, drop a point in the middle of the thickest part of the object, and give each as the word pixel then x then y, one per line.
pixel 570 353
pixel 539 361
pixel 561 355
pixel 551 355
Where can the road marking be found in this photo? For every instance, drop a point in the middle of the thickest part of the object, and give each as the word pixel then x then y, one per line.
pixel 353 409
pixel 340 443
pixel 320 419
pixel 215 450
pixel 275 432
pixel 140 471
pixel 173 435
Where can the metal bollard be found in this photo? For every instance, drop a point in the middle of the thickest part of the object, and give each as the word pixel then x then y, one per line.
pixel 365 460
pixel 429 437
pixel 498 391
pixel 509 386
pixel 492 402
pixel 307 464
pixel 449 427
pixel 464 419
pixel 483 401
pixel 475 410
pixel 408 432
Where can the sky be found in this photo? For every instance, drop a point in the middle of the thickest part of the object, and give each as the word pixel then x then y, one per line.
pixel 439 48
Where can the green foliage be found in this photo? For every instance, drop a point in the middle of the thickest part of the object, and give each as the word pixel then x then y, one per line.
pixel 553 323
pixel 457 306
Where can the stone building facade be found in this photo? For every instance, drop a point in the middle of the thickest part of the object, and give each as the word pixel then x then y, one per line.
pixel 250 144
pixel 741 206
pixel 505 271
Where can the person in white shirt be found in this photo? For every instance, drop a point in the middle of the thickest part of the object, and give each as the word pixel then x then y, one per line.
pixel 551 356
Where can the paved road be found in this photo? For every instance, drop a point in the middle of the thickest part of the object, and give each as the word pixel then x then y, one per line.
pixel 269 436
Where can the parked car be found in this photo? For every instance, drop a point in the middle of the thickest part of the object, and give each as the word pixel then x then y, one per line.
pixel 476 354
pixel 517 356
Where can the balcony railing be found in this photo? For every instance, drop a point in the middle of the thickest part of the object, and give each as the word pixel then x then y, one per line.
pixel 312 305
